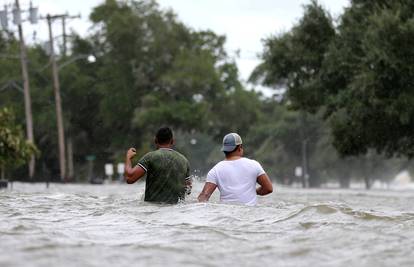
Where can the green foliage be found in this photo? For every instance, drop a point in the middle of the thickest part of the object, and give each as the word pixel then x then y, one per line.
pixel 277 141
pixel 371 105
pixel 14 149
pixel 156 71
pixel 293 60
pixel 150 71
pixel 359 74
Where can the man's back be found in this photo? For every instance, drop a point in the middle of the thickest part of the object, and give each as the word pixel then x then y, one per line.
pixel 236 180
pixel 166 173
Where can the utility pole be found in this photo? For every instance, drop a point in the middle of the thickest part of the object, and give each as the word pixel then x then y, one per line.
pixel 64 35
pixel 305 175
pixel 305 163
pixel 71 168
pixel 56 88
pixel 26 87
pixel 64 18
pixel 58 102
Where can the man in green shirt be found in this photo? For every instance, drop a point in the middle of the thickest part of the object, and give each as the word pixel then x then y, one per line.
pixel 168 172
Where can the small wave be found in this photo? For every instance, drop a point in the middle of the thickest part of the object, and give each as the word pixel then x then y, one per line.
pixel 15 214
pixel 328 209
pixel 97 213
pixel 319 208
pixel 308 225
pixel 365 215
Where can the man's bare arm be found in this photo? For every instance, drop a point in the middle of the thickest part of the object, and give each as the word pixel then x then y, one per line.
pixel 265 187
pixel 132 174
pixel 207 191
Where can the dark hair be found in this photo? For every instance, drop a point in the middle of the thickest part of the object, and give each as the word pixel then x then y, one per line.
pixel 229 152
pixel 164 135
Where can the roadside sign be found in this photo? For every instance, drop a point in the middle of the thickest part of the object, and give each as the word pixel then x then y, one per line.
pixel 298 171
pixel 90 157
pixel 109 169
pixel 121 167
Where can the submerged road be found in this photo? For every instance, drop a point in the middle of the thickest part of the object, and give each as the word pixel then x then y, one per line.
pixel 110 225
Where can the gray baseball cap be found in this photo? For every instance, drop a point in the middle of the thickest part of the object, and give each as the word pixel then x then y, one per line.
pixel 230 141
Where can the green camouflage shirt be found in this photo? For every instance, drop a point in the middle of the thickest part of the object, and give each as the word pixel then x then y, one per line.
pixel 167 171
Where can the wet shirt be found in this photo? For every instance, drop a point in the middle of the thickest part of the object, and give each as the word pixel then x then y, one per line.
pixel 166 171
pixel 236 180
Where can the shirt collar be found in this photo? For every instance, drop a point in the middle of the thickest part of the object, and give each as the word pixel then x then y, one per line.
pixel 165 148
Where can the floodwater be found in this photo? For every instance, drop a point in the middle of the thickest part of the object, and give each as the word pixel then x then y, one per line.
pixel 110 225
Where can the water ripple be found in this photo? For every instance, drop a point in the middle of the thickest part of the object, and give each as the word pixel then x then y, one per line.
pixel 110 225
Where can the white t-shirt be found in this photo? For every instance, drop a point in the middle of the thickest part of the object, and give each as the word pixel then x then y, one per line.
pixel 236 180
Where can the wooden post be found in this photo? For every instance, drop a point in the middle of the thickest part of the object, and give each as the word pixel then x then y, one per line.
pixel 27 99
pixel 58 103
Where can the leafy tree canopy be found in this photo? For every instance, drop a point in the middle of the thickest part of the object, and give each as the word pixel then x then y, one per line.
pixel 359 73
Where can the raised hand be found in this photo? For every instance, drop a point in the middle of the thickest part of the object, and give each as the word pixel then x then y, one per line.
pixel 131 153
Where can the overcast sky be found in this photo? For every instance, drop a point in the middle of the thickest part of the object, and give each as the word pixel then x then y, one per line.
pixel 244 22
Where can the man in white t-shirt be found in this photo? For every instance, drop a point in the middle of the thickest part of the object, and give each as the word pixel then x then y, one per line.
pixel 236 176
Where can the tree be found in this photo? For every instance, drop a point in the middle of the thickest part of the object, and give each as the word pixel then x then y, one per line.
pixel 362 78
pixel 367 77
pixel 293 61
pixel 151 70
pixel 14 149
pixel 278 138
pixel 357 75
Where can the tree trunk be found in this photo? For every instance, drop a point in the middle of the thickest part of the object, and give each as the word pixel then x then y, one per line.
pixel 345 181
pixel 314 180
pixel 70 160
pixel 367 182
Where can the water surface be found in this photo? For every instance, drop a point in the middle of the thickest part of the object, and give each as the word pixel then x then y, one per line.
pixel 107 225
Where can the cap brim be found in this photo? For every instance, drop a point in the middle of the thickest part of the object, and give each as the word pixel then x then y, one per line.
pixel 228 148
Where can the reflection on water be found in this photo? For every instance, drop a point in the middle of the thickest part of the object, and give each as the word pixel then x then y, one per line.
pixel 86 225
